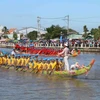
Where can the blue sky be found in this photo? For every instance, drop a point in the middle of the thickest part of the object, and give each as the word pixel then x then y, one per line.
pixel 23 13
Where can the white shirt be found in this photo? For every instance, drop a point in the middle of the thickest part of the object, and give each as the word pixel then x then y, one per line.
pixel 73 66
pixel 13 53
pixel 65 51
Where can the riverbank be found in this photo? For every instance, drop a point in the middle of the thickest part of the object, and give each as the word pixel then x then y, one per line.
pixel 81 49
pixel 88 49
pixel 84 48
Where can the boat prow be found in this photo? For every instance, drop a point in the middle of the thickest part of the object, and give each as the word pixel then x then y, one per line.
pixel 80 71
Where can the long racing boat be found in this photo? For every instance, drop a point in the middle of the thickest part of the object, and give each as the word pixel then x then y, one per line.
pixel 82 71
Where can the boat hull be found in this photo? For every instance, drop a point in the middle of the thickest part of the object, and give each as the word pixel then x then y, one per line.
pixel 71 73
pixel 81 71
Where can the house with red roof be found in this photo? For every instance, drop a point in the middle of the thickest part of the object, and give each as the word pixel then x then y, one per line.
pixel 12 30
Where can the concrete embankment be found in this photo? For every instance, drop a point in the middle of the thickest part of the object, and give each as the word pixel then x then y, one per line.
pixel 83 49
pixel 91 49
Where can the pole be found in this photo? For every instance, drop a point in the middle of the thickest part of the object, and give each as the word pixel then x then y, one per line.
pixel 68 24
pixel 68 27
pixel 67 18
pixel 26 30
pixel 38 24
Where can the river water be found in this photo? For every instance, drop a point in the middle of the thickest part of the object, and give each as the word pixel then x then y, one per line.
pixel 26 86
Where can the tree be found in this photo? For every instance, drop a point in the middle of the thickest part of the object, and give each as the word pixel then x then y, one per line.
pixel 5 30
pixel 96 33
pixel 21 35
pixel 99 27
pixel 55 31
pixel 32 35
pixel 85 30
pixel 5 37
pixel 47 36
pixel 93 31
pixel 15 36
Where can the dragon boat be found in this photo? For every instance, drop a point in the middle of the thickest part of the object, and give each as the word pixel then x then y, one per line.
pixel 41 51
pixel 82 71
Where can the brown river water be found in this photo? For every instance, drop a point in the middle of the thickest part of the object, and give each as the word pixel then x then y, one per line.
pixel 26 86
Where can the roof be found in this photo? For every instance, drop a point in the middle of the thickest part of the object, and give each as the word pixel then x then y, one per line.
pixel 12 30
pixel 75 36
pixel 30 29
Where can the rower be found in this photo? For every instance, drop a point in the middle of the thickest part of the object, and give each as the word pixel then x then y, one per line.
pixel 57 68
pixel 31 64
pixel 49 66
pixel 45 64
pixel 35 58
pixel 61 64
pixel 1 60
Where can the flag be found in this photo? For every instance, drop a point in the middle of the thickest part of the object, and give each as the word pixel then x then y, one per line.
pixel 60 38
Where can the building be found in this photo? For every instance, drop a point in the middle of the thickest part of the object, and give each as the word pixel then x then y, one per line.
pixel 74 36
pixel 12 30
pixel 27 30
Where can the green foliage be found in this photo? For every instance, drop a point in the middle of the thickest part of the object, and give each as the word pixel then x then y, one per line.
pixel 15 36
pixel 32 35
pixel 5 30
pixel 96 33
pixel 21 35
pixel 5 37
pixel 54 32
pixel 85 30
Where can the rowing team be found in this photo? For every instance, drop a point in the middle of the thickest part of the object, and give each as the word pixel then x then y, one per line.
pixel 26 62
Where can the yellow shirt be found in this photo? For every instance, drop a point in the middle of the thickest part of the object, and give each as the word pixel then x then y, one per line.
pixel 30 65
pixel 61 64
pixel 45 66
pixel 53 65
pixel 26 61
pixel 49 66
pixel 13 61
pixel 18 62
pixel 22 62
pixel 35 64
pixel 38 65
pixel 0 60
pixel 42 64
pixel 9 61
pixel 4 60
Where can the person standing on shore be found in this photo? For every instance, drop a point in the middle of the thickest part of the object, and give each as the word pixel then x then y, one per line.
pixel 65 53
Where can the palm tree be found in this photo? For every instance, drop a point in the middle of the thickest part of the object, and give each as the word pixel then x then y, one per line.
pixel 85 29
pixel 5 30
